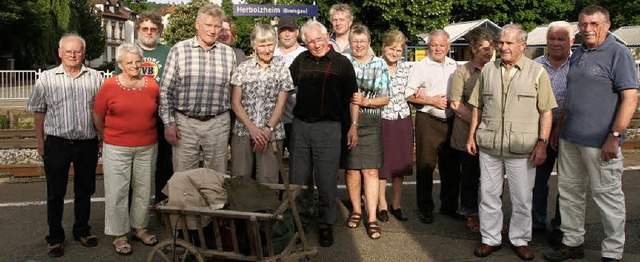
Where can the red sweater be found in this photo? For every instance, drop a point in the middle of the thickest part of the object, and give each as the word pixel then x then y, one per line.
pixel 130 115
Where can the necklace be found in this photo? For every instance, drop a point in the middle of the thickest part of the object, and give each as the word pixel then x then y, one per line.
pixel 132 85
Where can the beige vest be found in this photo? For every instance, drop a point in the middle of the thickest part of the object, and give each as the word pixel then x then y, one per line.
pixel 509 130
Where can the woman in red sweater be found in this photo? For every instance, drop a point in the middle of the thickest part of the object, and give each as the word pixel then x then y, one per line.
pixel 125 111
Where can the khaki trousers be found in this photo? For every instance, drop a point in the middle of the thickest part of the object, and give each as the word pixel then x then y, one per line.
pixel 206 138
pixel 244 160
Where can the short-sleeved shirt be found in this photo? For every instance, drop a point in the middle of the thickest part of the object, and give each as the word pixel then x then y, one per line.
pixel 325 86
pixel 196 81
pixel 594 82
pixel 67 102
pixel 129 114
pixel 434 77
pixel 373 81
pixel 287 116
pixel 153 62
pixel 545 94
pixel 462 82
pixel 398 106
pixel 260 90
pixel 558 81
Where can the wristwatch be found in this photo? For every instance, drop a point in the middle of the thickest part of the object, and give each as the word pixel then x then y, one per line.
pixel 615 134
pixel 544 141
pixel 271 129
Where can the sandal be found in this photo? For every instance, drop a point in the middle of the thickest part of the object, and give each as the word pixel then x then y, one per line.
pixel 144 237
pixel 55 250
pixel 88 241
pixel 373 229
pixel 473 222
pixel 354 220
pixel 122 245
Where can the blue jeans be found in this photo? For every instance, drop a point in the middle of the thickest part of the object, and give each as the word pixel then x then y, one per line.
pixel 541 191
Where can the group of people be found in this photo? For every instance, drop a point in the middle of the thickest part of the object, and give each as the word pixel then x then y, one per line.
pixel 333 104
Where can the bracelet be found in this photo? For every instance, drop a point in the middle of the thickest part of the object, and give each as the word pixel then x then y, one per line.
pixel 354 123
pixel 544 141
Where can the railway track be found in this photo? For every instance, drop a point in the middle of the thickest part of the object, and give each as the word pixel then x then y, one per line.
pixel 18 139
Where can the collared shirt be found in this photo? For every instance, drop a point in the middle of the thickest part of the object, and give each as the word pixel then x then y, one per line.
pixel 558 81
pixel 67 102
pixel 325 86
pixel 462 82
pixel 596 78
pixel 434 77
pixel 373 81
pixel 287 116
pixel 260 90
pixel 196 81
pixel 397 105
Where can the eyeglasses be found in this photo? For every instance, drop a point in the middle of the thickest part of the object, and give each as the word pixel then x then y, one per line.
pixel 149 29
pixel 317 41
pixel 72 52
pixel 587 24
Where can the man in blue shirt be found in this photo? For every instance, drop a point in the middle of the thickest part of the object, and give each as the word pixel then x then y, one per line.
pixel 601 100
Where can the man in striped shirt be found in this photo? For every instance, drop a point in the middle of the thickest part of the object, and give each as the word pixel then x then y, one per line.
pixel 195 95
pixel 62 100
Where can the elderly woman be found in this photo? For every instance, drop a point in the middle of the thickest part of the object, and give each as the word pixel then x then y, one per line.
pixel 260 90
pixel 482 44
pixel 227 36
pixel 397 128
pixel 125 111
pixel 363 161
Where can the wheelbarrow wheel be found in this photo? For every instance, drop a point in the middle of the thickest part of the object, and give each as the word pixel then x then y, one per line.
pixel 168 251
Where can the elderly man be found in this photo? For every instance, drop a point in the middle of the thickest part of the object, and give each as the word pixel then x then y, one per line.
pixel 560 37
pixel 427 85
pixel 602 92
pixel 195 95
pixel 512 103
pixel 326 82
pixel 62 100
pixel 150 27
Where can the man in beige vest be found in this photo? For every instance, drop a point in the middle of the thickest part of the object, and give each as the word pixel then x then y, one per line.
pixel 512 114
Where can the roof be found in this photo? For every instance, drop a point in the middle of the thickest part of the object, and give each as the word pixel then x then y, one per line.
pixel 457 31
pixel 123 12
pixel 538 36
pixel 629 35
pixel 167 10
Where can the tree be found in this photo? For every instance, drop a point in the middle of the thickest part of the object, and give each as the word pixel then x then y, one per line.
pixel 623 13
pixel 137 6
pixel 182 22
pixel 88 24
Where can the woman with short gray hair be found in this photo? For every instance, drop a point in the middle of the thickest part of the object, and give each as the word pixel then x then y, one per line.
pixel 260 90
pixel 124 114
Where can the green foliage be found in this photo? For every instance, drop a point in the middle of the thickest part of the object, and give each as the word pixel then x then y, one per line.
pixel 138 6
pixel 111 66
pixel 62 12
pixel 623 13
pixel 182 22
pixel 88 24
pixel 4 122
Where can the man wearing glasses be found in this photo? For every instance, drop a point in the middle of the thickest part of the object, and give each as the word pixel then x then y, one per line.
pixel 602 93
pixel 150 27
pixel 325 82
pixel 62 101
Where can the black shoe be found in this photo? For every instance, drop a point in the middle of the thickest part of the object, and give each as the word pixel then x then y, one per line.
pixel 325 236
pixel 426 218
pixel 565 252
pixel 539 228
pixel 555 239
pixel 398 213
pixel 383 215
pixel 453 214
pixel 608 259
pixel 55 250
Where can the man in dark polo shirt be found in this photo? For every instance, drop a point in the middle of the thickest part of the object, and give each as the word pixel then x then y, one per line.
pixel 326 82
pixel 601 99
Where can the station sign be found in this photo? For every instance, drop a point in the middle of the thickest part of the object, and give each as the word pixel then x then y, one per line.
pixel 274 10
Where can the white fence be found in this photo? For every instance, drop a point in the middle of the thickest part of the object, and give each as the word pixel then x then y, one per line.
pixel 17 84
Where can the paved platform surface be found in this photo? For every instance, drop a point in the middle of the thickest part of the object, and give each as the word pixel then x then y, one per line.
pixel 23 220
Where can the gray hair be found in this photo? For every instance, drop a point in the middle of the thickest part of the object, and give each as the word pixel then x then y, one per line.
pixel 359 29
pixel 522 34
pixel 563 25
pixel 341 8
pixel 263 33
pixel 310 25
pixel 438 32
pixel 211 10
pixel 127 48
pixel 72 35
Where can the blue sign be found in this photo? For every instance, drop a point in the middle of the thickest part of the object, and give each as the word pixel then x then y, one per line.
pixel 275 10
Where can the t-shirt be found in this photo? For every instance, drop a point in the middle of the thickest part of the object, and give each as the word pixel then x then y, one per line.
pixel 462 82
pixel 596 77
pixel 152 62
pixel 130 114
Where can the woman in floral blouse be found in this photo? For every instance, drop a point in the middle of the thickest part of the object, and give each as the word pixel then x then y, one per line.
pixel 260 88
pixel 397 128
pixel 363 162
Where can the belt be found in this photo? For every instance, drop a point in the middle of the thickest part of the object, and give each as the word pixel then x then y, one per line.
pixel 200 118
pixel 70 141
pixel 443 120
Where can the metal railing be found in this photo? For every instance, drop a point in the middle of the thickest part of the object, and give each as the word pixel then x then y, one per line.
pixel 18 84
